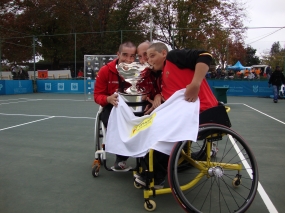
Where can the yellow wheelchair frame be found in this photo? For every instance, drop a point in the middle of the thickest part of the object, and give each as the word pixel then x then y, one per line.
pixel 225 181
pixel 237 196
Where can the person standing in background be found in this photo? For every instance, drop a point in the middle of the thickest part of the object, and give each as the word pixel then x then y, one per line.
pixel 276 79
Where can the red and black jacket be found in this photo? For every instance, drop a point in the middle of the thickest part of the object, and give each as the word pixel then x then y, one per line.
pixel 178 72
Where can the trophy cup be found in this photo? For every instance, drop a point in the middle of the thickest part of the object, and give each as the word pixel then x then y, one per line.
pixel 134 95
pixel 133 73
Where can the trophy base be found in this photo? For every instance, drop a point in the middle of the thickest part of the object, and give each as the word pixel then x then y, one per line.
pixel 137 102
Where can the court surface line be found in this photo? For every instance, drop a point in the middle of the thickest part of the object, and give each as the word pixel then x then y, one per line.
pixel 271 208
pixel 13 102
pixel 26 123
pixel 54 116
pixel 264 114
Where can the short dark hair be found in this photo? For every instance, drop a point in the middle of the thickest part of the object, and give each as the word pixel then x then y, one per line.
pixel 159 46
pixel 126 44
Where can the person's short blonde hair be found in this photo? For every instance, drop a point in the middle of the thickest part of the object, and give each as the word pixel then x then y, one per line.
pixel 159 46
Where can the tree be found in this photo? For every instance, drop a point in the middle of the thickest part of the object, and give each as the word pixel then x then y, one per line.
pixel 237 52
pixel 63 29
pixel 251 58
pixel 188 23
pixel 276 56
pixel 275 48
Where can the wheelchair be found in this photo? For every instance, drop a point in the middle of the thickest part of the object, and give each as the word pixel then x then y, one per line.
pixel 100 135
pixel 217 173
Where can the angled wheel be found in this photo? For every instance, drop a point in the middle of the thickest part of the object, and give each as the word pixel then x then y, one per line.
pixel 224 182
pixel 150 205
pixel 138 186
pixel 95 171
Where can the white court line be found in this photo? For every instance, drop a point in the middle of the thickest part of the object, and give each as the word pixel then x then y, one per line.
pixel 271 208
pixel 264 114
pixel 13 102
pixel 25 123
pixel 54 116
pixel 17 99
pixel 24 100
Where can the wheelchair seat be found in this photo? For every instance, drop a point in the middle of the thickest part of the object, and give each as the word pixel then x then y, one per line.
pixel 217 115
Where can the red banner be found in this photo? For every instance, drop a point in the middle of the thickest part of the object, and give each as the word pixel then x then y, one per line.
pixel 42 73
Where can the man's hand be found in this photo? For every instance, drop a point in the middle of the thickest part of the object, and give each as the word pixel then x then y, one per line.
pixel 113 99
pixel 192 91
pixel 148 109
pixel 155 103
pixel 158 99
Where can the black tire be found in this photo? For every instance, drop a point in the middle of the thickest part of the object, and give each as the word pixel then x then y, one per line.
pixel 97 134
pixel 215 192
pixel 95 171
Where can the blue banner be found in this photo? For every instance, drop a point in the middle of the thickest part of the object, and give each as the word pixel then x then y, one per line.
pixel 236 88
pixel 2 87
pixel 243 88
pixel 64 86
pixel 11 87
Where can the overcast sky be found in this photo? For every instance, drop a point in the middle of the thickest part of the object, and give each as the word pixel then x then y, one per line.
pixel 265 13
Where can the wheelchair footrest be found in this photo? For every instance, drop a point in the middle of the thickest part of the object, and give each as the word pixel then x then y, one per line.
pixel 122 170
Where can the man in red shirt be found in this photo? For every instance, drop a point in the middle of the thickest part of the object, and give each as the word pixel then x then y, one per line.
pixel 180 69
pixel 183 69
pixel 108 82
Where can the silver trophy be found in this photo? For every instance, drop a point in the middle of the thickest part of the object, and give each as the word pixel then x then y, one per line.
pixel 133 73
pixel 136 75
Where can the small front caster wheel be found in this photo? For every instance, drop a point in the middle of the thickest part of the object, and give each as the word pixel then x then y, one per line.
pixel 138 186
pixel 95 171
pixel 236 182
pixel 150 205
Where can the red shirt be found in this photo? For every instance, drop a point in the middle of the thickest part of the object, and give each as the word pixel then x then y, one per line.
pixel 174 79
pixel 107 82
pixel 80 74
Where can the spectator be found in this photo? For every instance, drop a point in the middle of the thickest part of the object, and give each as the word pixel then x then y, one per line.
pixel 14 73
pixel 268 72
pixel 276 79
pixel 72 73
pixel 223 74
pixel 257 73
pixel 23 74
pixel 214 74
pixel 231 74
pixel 219 72
pixel 246 73
pixel 80 74
pixel 108 82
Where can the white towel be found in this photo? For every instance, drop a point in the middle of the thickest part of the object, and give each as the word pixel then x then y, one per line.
pixel 174 120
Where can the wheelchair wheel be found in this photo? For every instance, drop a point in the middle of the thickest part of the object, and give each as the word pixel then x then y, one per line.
pixel 95 171
pixel 224 178
pixel 196 151
pixel 97 133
